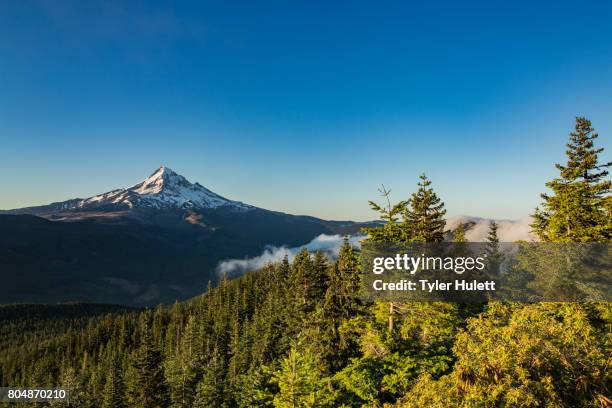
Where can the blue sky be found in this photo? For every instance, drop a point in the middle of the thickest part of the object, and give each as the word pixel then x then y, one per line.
pixel 302 107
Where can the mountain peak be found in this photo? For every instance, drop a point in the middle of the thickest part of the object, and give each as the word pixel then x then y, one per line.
pixel 167 189
pixel 162 178
pixel 163 189
pixel 163 171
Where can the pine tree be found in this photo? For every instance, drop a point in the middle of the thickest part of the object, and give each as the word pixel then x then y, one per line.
pixel 578 208
pixel 424 217
pixel 299 379
pixel 319 276
pixel 349 270
pixel 494 256
pixel 148 387
pixel 300 271
pixel 210 390
pixel 423 221
pixel 283 270
pixel 460 247
pixel 69 381
pixel 391 230
pixel 181 369
pixel 492 237
pixel 254 389
pixel 113 395
pixel 459 233
pixel 518 355
pixel 309 280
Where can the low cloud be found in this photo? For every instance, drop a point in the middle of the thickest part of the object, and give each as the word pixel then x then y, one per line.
pixel 329 244
pixel 508 230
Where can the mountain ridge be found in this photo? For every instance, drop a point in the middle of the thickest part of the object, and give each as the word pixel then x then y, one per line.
pixel 163 189
pixel 156 241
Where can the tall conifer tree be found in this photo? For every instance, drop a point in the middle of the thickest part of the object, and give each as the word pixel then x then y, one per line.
pixel 148 388
pixel 391 230
pixel 424 216
pixel 459 233
pixel 113 395
pixel 309 279
pixel 578 210
pixel 211 390
pixel 494 256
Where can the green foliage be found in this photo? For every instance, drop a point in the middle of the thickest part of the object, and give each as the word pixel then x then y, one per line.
pixel 113 395
pixel 183 366
pixel 494 256
pixel 459 233
pixel 391 230
pixel 579 208
pixel 210 390
pixel 422 217
pixel 147 386
pixel 224 348
pixel 425 215
pixel 300 379
pixel 233 347
pixel 460 248
pixel 391 360
pixel 545 354
pixel 256 388
pixel 399 341
pixel 362 378
pixel 299 335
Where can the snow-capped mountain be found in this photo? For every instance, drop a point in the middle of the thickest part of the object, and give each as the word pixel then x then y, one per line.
pixel 157 241
pixel 164 189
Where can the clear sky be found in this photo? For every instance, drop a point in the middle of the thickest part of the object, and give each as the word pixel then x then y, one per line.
pixel 302 107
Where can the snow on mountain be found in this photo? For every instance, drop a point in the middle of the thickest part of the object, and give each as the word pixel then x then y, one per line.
pixel 162 190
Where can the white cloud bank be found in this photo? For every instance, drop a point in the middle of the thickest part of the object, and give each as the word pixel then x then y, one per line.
pixel 508 231
pixel 329 244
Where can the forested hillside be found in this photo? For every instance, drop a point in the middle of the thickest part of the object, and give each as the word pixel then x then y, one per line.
pixel 23 323
pixel 299 335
